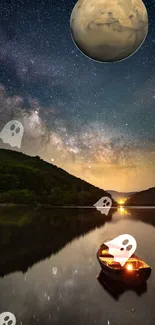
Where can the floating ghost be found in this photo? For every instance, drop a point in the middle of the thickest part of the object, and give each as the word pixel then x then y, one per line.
pixel 7 318
pixel 122 247
pixel 104 205
pixel 12 133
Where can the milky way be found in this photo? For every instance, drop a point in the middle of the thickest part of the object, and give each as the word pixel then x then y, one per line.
pixel 97 121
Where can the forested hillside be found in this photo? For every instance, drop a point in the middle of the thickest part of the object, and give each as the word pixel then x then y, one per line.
pixel 25 179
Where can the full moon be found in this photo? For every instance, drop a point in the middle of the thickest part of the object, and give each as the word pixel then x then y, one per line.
pixel 109 30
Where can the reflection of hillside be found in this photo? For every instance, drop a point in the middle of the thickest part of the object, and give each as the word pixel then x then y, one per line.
pixel 146 215
pixel 30 235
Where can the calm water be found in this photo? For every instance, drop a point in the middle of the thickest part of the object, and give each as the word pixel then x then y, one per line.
pixel 49 271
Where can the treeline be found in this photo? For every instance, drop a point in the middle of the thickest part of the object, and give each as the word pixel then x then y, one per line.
pixel 25 179
pixel 143 198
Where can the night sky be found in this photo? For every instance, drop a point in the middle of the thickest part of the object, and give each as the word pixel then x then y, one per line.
pixel 95 120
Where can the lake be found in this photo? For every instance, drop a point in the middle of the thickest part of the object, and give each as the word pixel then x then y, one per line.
pixel 49 270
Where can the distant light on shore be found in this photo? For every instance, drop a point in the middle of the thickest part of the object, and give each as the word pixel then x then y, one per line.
pixel 121 201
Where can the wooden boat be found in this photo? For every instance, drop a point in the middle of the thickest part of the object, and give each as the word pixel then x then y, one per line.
pixel 134 271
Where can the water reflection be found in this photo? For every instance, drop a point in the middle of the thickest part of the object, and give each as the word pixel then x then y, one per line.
pixel 116 288
pixel 29 234
pixel 122 211
pixel 146 215
pixel 56 250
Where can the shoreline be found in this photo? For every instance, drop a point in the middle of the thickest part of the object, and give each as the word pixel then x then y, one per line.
pixel 73 206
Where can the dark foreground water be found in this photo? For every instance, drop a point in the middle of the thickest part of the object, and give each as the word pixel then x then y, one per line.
pixel 49 270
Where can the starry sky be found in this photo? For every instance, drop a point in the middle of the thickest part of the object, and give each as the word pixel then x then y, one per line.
pixel 95 120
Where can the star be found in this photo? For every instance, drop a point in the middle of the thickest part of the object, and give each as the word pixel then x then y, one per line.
pixel 81 115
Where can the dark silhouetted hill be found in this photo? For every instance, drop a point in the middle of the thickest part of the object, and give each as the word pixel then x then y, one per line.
pixel 143 198
pixel 119 195
pixel 25 179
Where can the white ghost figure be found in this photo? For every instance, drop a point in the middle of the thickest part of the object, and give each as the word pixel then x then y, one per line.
pixel 104 205
pixel 12 133
pixel 122 247
pixel 7 318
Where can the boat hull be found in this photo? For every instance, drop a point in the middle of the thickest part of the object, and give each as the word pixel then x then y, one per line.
pixel 135 277
pixel 116 288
